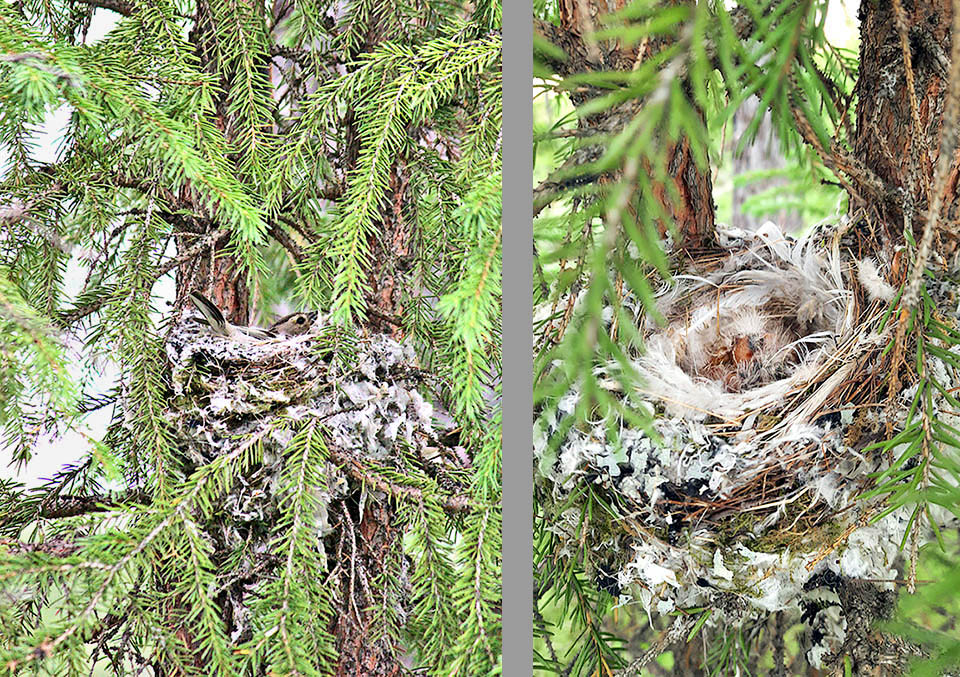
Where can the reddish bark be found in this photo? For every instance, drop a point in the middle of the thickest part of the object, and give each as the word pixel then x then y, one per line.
pixel 687 196
pixel 391 257
pixel 362 651
pixel 885 137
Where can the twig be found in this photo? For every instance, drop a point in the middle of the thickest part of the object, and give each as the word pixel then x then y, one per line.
pixel 842 162
pixel 55 547
pixel 70 506
pixel 576 133
pixel 17 57
pixel 299 55
pixel 392 319
pixel 281 236
pixel 919 140
pixel 361 473
pixel 680 627
pixel 541 624
pixel 94 402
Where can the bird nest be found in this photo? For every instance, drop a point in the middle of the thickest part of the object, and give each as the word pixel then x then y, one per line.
pixel 754 373
pixel 364 390
pixel 362 394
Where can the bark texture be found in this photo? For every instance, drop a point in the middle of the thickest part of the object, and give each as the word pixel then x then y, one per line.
pixel 887 139
pixel 693 210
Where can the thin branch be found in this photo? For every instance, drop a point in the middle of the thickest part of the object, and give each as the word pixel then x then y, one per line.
pixel 280 235
pixel 843 163
pixel 71 506
pixel 680 627
pixel 203 245
pixel 362 473
pixel 95 402
pixel 55 547
pixel 298 55
pixel 392 319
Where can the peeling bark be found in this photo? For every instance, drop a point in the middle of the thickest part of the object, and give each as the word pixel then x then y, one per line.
pixel 885 138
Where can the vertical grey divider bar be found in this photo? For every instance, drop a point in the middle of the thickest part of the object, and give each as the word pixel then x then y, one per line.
pixel 517 338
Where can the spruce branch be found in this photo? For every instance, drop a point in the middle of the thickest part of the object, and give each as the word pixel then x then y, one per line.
pixel 371 475
pixel 169 515
pixel 54 547
pixel 56 507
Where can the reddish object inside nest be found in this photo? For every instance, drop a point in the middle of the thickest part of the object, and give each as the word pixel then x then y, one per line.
pixel 742 351
pixel 731 365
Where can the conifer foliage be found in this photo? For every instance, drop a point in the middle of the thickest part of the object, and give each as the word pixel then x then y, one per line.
pixel 341 156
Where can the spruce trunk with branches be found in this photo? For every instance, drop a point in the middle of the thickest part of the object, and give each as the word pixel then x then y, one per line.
pixel 738 432
pixel 325 502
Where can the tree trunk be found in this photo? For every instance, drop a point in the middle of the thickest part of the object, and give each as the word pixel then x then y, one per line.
pixel 687 198
pixel 886 138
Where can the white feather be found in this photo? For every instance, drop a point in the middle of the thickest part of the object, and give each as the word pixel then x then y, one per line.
pixel 876 287
pixel 774 238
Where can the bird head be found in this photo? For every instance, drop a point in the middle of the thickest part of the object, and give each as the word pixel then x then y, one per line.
pixel 294 324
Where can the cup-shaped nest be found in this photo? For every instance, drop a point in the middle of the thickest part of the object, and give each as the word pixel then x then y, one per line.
pixel 740 338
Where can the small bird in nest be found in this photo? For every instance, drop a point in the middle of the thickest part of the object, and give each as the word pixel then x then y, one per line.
pixel 213 318
pixel 294 324
pixel 746 349
pixel 743 335
pixel 731 364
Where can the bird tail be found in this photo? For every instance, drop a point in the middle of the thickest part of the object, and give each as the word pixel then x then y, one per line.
pixel 210 312
pixel 214 318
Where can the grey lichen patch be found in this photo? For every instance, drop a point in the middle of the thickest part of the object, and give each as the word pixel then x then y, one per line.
pixel 368 403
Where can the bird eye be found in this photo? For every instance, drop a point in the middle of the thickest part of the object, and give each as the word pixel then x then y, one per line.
pixel 300 320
